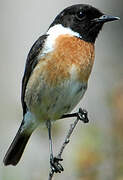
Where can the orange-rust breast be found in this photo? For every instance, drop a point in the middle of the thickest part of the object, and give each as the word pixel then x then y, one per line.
pixel 68 51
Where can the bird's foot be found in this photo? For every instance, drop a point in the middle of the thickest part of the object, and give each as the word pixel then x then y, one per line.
pixel 83 115
pixel 55 165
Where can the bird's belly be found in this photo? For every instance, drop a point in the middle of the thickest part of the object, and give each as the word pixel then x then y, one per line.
pixel 52 102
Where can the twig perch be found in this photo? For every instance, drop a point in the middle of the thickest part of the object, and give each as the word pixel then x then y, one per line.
pixel 81 115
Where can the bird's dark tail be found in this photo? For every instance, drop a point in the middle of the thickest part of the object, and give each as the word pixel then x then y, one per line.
pixel 16 148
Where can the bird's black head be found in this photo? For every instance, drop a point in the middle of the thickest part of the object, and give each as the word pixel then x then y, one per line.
pixel 83 19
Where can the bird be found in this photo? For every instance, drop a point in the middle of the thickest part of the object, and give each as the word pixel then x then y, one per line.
pixel 56 74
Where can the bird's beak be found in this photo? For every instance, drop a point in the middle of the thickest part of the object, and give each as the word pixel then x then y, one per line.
pixel 106 18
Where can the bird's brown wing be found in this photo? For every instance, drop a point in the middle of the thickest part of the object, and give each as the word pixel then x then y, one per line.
pixel 31 62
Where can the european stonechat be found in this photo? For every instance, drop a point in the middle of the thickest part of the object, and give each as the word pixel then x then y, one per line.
pixel 56 74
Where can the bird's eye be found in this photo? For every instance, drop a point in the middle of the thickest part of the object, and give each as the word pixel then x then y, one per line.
pixel 79 15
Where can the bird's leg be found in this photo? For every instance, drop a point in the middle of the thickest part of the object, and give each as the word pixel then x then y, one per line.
pixel 54 161
pixel 82 115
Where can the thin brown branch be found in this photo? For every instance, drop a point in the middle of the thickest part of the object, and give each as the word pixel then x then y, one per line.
pixel 82 115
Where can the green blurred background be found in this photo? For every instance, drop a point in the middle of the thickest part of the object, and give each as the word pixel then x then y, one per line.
pixel 96 149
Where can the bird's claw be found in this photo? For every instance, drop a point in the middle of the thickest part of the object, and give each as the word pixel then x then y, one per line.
pixel 83 115
pixel 55 165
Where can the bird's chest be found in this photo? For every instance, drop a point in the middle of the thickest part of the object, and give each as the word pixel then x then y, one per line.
pixel 59 80
pixel 71 58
